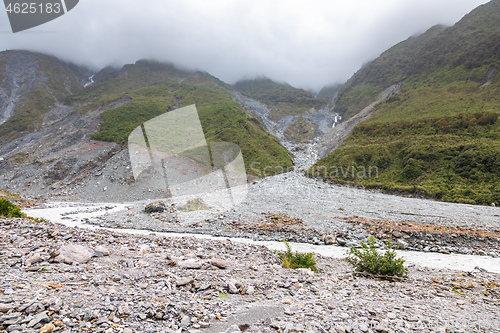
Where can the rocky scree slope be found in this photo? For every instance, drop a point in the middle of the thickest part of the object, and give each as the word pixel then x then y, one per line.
pixel 30 85
pixel 293 115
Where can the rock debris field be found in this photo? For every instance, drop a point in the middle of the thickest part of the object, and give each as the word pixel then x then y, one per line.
pixel 294 208
pixel 55 278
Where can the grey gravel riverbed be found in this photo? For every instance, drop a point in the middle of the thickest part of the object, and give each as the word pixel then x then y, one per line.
pixel 322 209
pixel 153 283
pixel 58 278
pixel 318 202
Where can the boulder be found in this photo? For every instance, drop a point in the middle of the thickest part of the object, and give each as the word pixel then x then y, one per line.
pixel 101 251
pixel 155 207
pixel 185 281
pixel 73 253
pixel 220 263
pixel 402 244
pixel 397 234
pixel 330 240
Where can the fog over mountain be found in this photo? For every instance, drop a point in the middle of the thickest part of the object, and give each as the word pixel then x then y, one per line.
pixel 307 44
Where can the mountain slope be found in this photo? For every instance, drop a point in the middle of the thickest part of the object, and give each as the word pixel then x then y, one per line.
pixel 78 149
pixel 329 93
pixel 167 88
pixel 30 85
pixel 439 136
pixel 390 68
pixel 292 113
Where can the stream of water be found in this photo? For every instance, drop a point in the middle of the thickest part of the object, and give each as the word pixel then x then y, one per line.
pixel 73 214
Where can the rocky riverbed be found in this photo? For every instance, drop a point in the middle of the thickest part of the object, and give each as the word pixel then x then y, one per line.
pixel 60 279
pixel 297 209
pixel 154 283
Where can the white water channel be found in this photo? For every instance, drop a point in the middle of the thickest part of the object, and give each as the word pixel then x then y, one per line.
pixel 72 213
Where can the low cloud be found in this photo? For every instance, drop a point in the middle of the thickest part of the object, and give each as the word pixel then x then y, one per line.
pixel 307 44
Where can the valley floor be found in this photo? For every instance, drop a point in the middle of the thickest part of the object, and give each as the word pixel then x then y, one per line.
pixel 295 208
pixel 152 283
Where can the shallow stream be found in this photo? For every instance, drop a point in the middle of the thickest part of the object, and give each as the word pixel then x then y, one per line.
pixel 75 214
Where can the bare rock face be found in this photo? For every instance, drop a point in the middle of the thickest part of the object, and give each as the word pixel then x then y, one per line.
pixel 73 253
pixel 21 76
pixel 155 207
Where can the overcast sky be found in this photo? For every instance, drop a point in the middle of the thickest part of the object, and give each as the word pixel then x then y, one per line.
pixel 308 44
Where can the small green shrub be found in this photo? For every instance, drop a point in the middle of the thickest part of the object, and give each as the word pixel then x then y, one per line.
pixel 371 262
pixel 8 209
pixel 38 219
pixel 297 260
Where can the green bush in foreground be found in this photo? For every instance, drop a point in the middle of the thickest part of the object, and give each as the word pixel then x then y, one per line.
pixel 297 260
pixel 369 261
pixel 8 209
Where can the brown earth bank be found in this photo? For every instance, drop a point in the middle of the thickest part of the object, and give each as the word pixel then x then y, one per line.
pixel 59 279
pixel 430 237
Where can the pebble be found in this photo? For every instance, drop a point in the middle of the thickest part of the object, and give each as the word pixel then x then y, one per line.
pixel 220 263
pixel 48 328
pixel 190 264
pixel 250 290
pixel 231 286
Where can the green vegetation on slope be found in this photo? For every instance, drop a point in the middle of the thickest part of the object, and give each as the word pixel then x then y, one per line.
pixel 328 93
pixel 222 119
pixel 454 158
pixel 439 135
pixel 34 105
pixel 440 139
pixel 301 130
pixel 465 51
pixel 390 68
pixel 439 100
pixel 471 43
pixel 131 77
pixel 60 82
